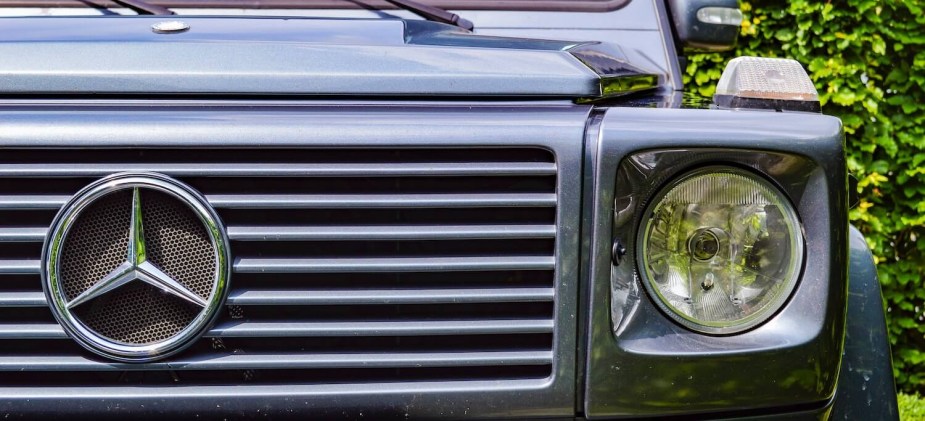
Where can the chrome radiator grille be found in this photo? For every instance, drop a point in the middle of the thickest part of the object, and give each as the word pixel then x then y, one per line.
pixel 350 265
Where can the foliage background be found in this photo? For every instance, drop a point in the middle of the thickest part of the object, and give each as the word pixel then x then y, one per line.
pixel 911 407
pixel 867 59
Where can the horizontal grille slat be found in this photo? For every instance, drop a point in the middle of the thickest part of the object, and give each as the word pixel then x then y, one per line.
pixel 345 297
pixel 282 361
pixel 390 169
pixel 22 299
pixel 20 267
pixel 392 264
pixel 415 296
pixel 32 201
pixel 22 234
pixel 329 201
pixel 379 328
pixel 324 201
pixel 235 329
pixel 31 331
pixel 392 232
pixel 341 233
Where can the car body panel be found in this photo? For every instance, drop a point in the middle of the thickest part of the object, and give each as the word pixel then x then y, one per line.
pixel 866 390
pixel 206 125
pixel 639 361
pixel 363 78
pixel 319 57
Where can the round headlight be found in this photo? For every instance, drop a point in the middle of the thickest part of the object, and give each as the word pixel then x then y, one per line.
pixel 721 249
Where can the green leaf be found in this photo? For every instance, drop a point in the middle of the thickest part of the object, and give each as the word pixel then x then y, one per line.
pixel 884 118
pixel 784 34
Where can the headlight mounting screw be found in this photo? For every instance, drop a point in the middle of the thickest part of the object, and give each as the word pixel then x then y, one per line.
pixel 618 252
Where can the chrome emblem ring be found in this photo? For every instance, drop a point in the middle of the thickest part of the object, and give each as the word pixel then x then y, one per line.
pixel 135 266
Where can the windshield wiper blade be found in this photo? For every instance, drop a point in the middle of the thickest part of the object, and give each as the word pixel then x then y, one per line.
pixel 143 8
pixel 435 14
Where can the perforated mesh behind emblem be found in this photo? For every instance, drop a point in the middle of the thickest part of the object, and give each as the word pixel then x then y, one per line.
pixel 178 243
pixel 97 243
pixel 175 240
pixel 137 313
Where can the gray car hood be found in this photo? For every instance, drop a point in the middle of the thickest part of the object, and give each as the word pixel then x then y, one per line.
pixel 303 56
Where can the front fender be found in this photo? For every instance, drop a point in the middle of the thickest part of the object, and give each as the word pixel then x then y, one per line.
pixel 866 390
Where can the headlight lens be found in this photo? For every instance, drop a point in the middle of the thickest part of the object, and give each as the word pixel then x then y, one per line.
pixel 721 249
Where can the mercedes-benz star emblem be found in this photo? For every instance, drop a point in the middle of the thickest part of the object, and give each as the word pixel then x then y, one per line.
pixel 135 266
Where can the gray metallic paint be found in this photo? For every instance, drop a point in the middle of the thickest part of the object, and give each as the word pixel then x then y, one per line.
pixel 302 56
pixel 611 134
pixel 639 27
pixel 673 370
pixel 558 128
pixel 669 49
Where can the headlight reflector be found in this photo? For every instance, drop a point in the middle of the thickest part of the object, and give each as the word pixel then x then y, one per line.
pixel 721 250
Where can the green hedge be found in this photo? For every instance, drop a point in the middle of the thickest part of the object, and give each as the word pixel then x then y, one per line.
pixel 867 59
pixel 911 407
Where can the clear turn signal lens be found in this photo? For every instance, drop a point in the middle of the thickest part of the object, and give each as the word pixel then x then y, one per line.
pixel 767 79
pixel 721 250
pixel 720 16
